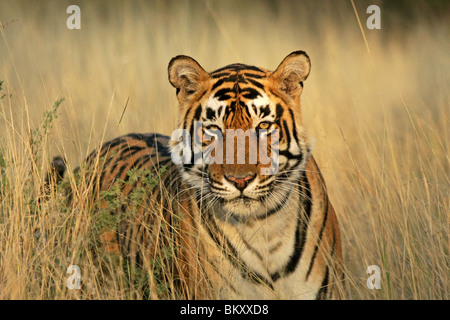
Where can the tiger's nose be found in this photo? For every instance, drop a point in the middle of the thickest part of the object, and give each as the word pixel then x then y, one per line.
pixel 241 182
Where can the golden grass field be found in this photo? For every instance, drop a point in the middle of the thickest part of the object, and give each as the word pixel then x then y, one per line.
pixel 378 111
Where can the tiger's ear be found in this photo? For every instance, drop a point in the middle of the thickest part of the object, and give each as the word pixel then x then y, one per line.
pixel 291 73
pixel 187 76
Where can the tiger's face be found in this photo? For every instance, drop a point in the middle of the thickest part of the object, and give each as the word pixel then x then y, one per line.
pixel 240 143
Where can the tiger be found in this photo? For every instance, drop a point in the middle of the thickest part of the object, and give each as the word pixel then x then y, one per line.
pixel 238 228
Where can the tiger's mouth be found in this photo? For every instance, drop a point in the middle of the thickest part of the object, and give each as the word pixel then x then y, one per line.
pixel 254 204
pixel 243 200
pixel 240 199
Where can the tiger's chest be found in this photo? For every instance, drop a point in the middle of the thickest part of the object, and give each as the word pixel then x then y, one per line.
pixel 260 258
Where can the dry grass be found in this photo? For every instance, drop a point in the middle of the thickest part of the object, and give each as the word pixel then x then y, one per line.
pixel 379 121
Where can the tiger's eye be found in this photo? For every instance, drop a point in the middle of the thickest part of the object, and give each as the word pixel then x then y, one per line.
pixel 213 128
pixel 264 125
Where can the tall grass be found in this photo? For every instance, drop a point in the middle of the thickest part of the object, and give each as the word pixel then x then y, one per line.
pixel 378 114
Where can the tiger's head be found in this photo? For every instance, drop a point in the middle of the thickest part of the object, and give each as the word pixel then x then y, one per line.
pixel 240 141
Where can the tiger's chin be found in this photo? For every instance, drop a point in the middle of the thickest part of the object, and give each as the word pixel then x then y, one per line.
pixel 243 208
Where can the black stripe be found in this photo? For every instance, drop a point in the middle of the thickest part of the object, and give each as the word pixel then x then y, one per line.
pixel 121 170
pixel 256 83
pixel 120 158
pixel 294 127
pixel 249 247
pixel 110 157
pixel 298 162
pixel 237 67
pixel 332 255
pixel 210 114
pixel 264 111
pixel 250 93
pixel 219 111
pixel 301 230
pixel 295 257
pixel 188 166
pixel 201 95
pixel 103 150
pixel 307 200
pixel 252 75
pixel 214 180
pixel 279 111
pixel 251 68
pixel 111 144
pixel 263 179
pixel 136 136
pixel 322 293
pixel 166 162
pixel 138 164
pixel 275 209
pixel 233 77
pixel 197 113
pixel 113 167
pixel 217 84
pixel 230 68
pixel 287 133
pixel 319 240
pixel 221 92
pixel 130 151
pixel 184 121
pixel 220 74
pixel 287 154
pixel 298 249
pixel 230 252
pixel 213 187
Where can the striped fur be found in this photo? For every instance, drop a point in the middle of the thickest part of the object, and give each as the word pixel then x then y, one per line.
pixel 236 233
